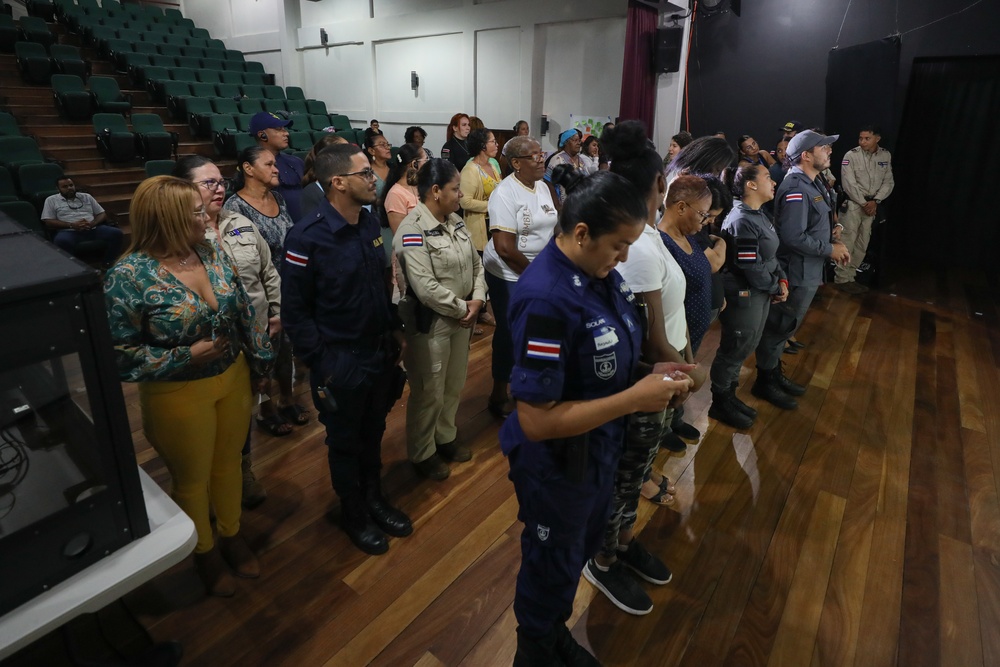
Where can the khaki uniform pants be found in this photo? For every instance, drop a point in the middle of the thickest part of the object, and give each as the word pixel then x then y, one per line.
pixel 855 235
pixel 436 365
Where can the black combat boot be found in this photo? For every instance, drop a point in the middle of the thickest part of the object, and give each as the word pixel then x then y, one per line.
pixel 570 650
pixel 787 386
pixel 725 410
pixel 360 527
pixel 769 388
pixel 391 520
pixel 740 405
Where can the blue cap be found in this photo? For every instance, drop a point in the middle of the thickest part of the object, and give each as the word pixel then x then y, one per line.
pixel 265 119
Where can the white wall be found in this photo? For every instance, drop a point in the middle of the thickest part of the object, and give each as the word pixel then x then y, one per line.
pixel 583 71
pixel 483 57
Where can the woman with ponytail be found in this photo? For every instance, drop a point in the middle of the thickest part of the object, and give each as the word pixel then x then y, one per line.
pixel 577 339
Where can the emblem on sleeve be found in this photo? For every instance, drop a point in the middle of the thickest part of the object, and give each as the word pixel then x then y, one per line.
pixel 412 240
pixel 605 365
pixel 543 532
pixel 540 348
pixel 295 258
pixel 793 196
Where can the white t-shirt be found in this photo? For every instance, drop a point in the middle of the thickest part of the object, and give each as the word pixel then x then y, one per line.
pixel 650 267
pixel 529 215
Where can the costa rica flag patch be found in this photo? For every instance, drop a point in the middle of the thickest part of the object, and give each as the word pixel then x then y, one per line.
pixel 412 240
pixel 541 348
pixel 793 196
pixel 295 258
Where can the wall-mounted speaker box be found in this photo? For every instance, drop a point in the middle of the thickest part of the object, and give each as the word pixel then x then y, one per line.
pixel 667 50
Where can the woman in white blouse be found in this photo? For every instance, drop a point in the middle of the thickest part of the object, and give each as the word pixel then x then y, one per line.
pixel 522 216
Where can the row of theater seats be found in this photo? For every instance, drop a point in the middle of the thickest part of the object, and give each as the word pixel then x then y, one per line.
pixel 184 100
pixel 147 139
pixel 75 102
pixel 26 177
pixel 38 65
pixel 26 29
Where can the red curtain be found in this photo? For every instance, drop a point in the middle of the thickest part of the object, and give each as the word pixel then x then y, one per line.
pixel 638 101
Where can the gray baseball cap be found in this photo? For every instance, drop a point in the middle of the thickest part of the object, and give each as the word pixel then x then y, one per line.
pixel 807 140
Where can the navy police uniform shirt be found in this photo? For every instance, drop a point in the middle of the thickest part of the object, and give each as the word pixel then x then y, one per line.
pixel 290 171
pixel 575 338
pixel 335 307
pixel 802 217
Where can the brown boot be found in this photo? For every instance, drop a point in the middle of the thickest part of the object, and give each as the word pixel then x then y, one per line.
pixel 214 576
pixel 236 552
pixel 253 492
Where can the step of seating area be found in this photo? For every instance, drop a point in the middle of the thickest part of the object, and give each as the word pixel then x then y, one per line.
pixel 110 93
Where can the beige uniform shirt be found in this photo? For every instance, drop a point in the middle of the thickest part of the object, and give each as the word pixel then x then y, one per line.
pixel 248 250
pixel 865 174
pixel 442 266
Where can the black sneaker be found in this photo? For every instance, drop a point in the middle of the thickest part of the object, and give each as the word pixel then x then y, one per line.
pixel 570 650
pixel 645 564
pixel 671 442
pixel 623 591
pixel 686 432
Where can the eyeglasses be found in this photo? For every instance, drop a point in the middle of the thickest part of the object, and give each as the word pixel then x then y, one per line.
pixel 212 184
pixel 705 215
pixel 537 157
pixel 382 144
pixel 368 174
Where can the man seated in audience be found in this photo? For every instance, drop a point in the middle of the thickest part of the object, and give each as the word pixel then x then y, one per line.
pixel 75 217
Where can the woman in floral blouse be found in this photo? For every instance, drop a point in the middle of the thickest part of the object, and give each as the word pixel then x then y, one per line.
pixel 184 329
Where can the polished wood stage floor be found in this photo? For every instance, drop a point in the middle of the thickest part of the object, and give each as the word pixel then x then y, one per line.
pixel 861 529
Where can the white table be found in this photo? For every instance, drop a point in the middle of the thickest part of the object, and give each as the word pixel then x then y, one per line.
pixel 171 537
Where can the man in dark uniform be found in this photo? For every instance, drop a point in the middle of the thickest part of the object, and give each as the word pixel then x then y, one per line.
pixel 271 133
pixel 340 318
pixel 802 216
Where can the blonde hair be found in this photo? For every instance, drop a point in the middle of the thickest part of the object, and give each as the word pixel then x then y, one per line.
pixel 160 216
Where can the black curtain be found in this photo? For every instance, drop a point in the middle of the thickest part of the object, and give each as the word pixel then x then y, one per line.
pixel 946 166
pixel 861 90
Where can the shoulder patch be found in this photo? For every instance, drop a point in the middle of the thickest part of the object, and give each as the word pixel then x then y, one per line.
pixel 543 342
pixel 298 259
pixel 793 197
pixel 412 240
pixel 845 162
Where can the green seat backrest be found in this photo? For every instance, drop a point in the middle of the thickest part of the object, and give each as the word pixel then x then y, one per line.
pixel 253 92
pixel 230 90
pixel 206 90
pixel 274 93
pixel 209 76
pixel 67 83
pixel 233 54
pixel 105 88
pixel 185 74
pixel 199 106
pixel 25 214
pixel 110 121
pixel 243 121
pixel 8 125
pixel 220 122
pixel 294 93
pixel 145 123
pixel 64 52
pixel 30 50
pixel 41 177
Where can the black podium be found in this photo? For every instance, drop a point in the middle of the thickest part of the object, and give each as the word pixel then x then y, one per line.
pixel 69 486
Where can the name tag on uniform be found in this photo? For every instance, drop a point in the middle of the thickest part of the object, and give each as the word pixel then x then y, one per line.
pixel 818 198
pixel 239 231
pixel 435 232
pixel 883 164
pixel 377 241
pixel 605 337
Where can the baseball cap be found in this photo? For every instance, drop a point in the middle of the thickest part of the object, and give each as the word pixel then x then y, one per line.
pixel 265 119
pixel 807 140
pixel 793 126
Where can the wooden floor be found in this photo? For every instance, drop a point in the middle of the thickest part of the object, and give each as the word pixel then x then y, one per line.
pixel 861 529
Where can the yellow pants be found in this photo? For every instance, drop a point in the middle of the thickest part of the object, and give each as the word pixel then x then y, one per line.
pixel 198 428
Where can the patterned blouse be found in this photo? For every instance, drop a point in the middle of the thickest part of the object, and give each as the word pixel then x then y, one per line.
pixel 155 318
pixel 272 229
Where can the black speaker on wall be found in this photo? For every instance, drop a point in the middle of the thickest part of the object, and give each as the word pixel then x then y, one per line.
pixel 667 50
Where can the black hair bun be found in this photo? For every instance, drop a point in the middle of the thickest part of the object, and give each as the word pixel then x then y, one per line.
pixel 625 141
pixel 567 176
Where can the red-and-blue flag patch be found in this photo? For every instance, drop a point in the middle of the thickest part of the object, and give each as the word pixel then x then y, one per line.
pixel 845 162
pixel 296 258
pixel 746 256
pixel 793 196
pixel 541 348
pixel 412 240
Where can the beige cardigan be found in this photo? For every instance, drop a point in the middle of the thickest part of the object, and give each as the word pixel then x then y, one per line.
pixel 475 204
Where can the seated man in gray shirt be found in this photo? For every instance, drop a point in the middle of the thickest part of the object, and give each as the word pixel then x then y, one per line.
pixel 74 217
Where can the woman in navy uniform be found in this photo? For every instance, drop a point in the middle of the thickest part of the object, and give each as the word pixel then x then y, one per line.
pixel 753 280
pixel 577 337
